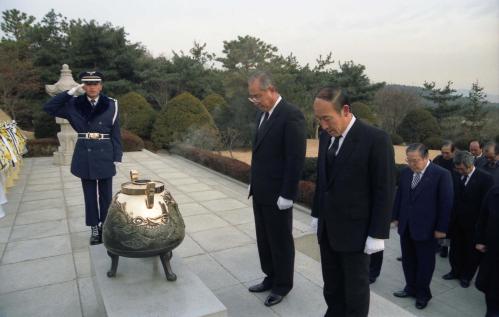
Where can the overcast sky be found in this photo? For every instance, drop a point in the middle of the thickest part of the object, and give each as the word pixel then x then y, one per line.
pixel 402 42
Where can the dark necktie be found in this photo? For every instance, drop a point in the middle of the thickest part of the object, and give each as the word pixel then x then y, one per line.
pixel 331 152
pixel 265 118
pixel 463 180
pixel 92 102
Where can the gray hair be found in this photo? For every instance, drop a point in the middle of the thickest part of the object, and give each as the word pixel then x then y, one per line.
pixel 489 145
pixel 419 147
pixel 463 157
pixel 264 78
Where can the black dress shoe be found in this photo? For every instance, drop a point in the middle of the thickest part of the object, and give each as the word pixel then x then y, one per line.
pixel 95 237
pixel 258 288
pixel 449 276
pixel 464 283
pixel 399 258
pixel 372 280
pixel 402 294
pixel 273 299
pixel 420 304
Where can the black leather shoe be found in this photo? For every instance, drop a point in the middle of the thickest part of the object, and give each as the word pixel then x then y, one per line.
pixel 258 288
pixel 399 258
pixel 402 294
pixel 464 283
pixel 372 280
pixel 273 299
pixel 95 237
pixel 449 276
pixel 420 304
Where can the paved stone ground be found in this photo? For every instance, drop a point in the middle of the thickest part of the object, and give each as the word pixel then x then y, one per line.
pixel 45 265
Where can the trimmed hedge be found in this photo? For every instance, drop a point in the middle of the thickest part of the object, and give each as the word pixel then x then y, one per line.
pixel 41 147
pixel 185 120
pixel 136 114
pixel 130 141
pixel 237 169
pixel 225 165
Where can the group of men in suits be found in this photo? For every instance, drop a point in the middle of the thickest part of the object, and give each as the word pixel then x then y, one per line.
pixel 353 198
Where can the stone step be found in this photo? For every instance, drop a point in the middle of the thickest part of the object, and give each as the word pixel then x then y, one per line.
pixel 140 288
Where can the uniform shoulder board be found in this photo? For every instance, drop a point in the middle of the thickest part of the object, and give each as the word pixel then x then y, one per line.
pixel 115 109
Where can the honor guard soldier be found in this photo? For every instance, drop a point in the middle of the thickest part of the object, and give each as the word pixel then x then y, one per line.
pixel 94 117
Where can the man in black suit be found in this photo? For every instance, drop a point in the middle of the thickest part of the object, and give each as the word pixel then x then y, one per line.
pixel 489 163
pixel 470 187
pixel 475 148
pixel 276 165
pixel 445 160
pixel 421 211
pixel 353 200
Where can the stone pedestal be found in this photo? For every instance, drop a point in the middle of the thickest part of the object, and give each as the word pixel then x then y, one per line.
pixel 67 136
pixel 140 288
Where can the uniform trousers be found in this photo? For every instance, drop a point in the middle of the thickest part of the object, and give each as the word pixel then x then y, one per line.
pixel 98 194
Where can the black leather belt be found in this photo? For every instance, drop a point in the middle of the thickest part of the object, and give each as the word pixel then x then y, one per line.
pixel 93 136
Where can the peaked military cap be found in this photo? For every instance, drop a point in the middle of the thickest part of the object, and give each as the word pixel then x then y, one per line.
pixel 92 76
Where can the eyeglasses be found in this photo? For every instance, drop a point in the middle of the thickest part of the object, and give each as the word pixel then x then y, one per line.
pixel 414 161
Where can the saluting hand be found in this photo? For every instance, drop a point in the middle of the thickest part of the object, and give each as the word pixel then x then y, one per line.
pixel 76 90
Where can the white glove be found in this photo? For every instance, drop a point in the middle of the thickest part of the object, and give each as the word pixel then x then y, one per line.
pixel 283 203
pixel 374 245
pixel 76 90
pixel 314 224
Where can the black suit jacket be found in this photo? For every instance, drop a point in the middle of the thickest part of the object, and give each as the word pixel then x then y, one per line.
pixel 468 199
pixel 278 155
pixel 357 200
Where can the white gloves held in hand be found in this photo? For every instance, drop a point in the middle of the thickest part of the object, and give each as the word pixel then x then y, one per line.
pixel 283 203
pixel 374 245
pixel 76 90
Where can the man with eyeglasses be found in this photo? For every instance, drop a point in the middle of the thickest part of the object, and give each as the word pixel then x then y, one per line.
pixel 276 165
pixel 94 117
pixel 421 211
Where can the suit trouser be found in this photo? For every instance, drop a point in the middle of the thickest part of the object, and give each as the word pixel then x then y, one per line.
pixel 97 194
pixel 375 263
pixel 276 247
pixel 418 263
pixel 346 280
pixel 464 258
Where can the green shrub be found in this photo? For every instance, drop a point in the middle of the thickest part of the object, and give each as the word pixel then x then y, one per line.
pixel 418 125
pixel 44 125
pixel 396 139
pixel 130 141
pixel 225 165
pixel 363 112
pixel 310 169
pixel 185 120
pixel 136 114
pixel 218 108
pixel 41 147
pixel 434 142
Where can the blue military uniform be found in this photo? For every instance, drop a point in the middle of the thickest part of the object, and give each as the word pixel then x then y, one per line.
pixel 97 148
